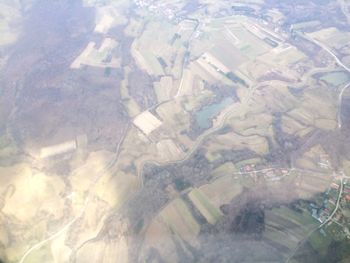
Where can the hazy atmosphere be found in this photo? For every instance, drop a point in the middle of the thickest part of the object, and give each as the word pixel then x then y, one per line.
pixel 174 131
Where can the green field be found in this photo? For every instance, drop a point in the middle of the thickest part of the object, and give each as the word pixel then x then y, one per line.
pixel 320 241
pixel 304 219
pixel 208 210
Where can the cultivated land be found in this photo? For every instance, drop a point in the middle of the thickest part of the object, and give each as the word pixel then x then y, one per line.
pixel 175 132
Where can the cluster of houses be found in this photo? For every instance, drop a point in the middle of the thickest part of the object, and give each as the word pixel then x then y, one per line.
pixel 321 214
pixel 270 174
pixel 158 7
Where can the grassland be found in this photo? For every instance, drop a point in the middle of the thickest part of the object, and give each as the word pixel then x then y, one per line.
pixel 332 36
pixel 227 168
pixel 320 242
pixel 103 251
pixel 98 57
pixel 286 228
pixel 222 190
pixel 305 25
pixel 156 54
pixel 232 140
pixel 206 208
pixel 190 64
pixel 169 149
pixel 175 225
pixel 159 236
pixel 132 107
pixel 164 89
pixel 180 220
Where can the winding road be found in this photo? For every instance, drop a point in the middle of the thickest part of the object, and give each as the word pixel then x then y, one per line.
pixel 339 62
pixel 108 167
pixel 220 122
pixel 327 49
pixel 341 187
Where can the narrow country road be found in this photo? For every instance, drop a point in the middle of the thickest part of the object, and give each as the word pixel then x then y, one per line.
pixel 220 123
pixel 327 49
pixel 339 62
pixel 71 222
pixel 301 242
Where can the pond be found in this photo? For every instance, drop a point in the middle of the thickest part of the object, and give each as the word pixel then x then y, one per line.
pixel 206 114
pixel 335 78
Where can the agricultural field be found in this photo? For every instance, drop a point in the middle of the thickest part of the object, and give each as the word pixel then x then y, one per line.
pixel 222 190
pixel 286 228
pixel 98 57
pixel 332 36
pixel 205 206
pixel 174 131
pixel 147 122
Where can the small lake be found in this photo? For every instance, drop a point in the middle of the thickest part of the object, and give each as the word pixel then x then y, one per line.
pixel 206 114
pixel 335 78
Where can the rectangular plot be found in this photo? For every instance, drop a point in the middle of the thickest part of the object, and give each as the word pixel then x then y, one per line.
pixel 208 210
pixel 147 122
pixel 280 237
pixel 179 217
pixel 57 149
